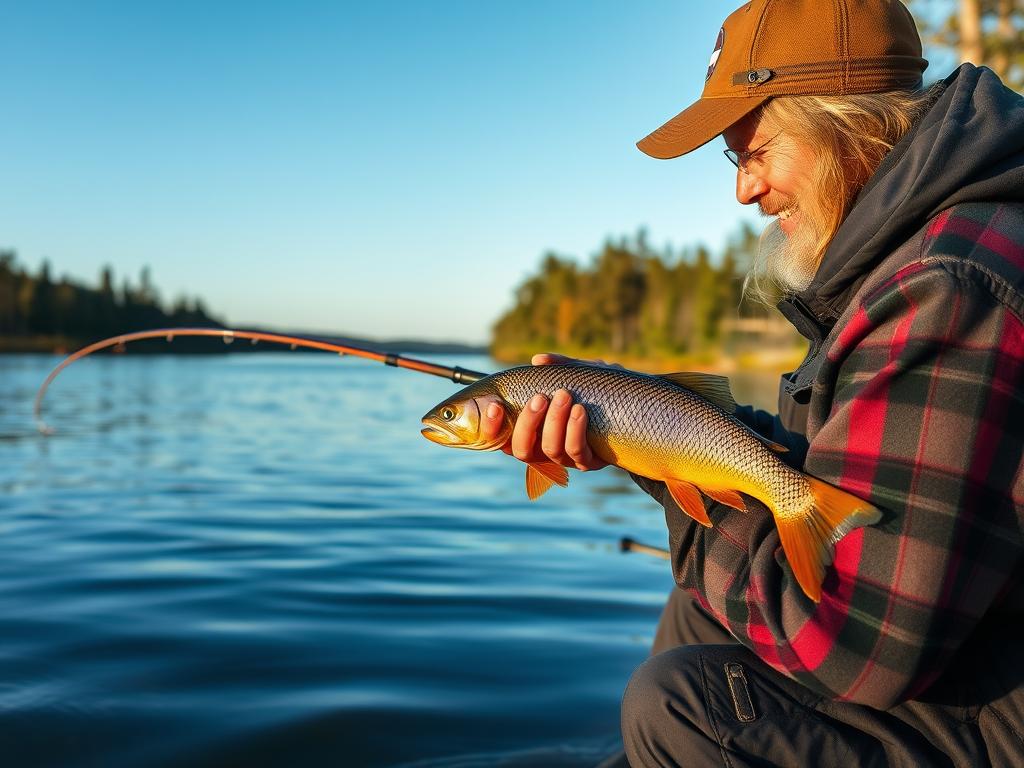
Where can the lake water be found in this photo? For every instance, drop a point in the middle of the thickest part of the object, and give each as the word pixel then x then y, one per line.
pixel 257 560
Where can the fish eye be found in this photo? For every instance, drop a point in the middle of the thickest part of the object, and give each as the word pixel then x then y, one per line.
pixel 447 413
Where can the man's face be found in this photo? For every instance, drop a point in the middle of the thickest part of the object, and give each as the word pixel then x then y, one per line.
pixel 775 173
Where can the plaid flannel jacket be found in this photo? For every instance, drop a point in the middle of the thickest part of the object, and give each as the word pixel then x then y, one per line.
pixel 918 407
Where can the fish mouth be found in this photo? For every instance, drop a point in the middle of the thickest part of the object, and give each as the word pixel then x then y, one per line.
pixel 442 436
pixel 437 435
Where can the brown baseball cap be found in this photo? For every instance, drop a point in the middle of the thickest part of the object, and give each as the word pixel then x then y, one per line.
pixel 793 48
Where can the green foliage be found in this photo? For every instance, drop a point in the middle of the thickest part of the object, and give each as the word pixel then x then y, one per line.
pixel 633 302
pixel 67 313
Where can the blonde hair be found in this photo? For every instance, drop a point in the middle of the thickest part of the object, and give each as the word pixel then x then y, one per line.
pixel 849 136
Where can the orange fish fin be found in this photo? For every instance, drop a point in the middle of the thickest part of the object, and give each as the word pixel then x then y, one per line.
pixel 541 475
pixel 808 541
pixel 688 498
pixel 707 385
pixel 727 497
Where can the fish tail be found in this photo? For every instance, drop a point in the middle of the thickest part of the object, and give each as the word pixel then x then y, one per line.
pixel 808 539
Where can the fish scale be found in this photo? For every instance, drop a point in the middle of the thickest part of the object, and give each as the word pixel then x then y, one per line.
pixel 655 427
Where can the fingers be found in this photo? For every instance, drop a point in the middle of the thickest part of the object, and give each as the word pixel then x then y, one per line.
pixel 551 358
pixel 552 441
pixel 527 428
pixel 492 421
pixel 576 446
pixel 554 431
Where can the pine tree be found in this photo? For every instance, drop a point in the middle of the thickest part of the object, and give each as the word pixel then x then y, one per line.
pixel 984 32
pixel 41 305
pixel 8 293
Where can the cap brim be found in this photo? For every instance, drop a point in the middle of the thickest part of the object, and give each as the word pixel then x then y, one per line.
pixel 696 125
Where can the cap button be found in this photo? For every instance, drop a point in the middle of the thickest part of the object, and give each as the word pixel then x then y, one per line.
pixel 758 76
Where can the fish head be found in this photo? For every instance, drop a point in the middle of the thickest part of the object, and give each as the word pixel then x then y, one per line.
pixel 456 422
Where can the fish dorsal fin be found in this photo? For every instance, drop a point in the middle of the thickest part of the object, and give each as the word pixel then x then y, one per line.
pixel 541 475
pixel 707 385
pixel 688 498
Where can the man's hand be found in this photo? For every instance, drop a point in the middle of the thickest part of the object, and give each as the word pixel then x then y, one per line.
pixel 554 430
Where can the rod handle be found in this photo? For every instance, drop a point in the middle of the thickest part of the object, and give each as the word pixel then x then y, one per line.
pixel 626 544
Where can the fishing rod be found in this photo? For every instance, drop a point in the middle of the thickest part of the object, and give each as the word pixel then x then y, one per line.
pixel 454 373
pixel 627 544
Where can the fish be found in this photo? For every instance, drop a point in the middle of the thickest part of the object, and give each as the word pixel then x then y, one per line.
pixel 677 428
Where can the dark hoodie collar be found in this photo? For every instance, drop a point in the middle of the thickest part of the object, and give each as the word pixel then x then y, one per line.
pixel 968 147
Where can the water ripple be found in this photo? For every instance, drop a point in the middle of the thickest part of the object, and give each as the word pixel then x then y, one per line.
pixel 257 560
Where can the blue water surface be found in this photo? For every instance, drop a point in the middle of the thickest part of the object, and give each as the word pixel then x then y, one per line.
pixel 257 560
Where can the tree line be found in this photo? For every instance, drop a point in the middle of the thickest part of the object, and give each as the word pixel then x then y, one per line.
pixel 635 301
pixel 984 32
pixel 63 312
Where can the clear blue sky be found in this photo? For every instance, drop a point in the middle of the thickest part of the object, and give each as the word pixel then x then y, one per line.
pixel 367 168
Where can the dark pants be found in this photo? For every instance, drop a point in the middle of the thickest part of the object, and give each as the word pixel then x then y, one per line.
pixel 704 700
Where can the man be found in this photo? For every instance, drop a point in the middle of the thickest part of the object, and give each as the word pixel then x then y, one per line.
pixel 898 242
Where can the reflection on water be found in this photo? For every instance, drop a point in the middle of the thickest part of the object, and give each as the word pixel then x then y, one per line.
pixel 257 560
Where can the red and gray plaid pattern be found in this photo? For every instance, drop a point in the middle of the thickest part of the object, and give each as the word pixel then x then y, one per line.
pixel 919 408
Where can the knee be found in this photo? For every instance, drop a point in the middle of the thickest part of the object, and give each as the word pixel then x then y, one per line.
pixel 663 710
pixel 654 684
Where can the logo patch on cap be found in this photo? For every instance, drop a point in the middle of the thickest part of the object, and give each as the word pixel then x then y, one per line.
pixel 717 52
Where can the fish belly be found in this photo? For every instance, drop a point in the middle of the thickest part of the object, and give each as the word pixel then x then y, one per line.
pixel 736 462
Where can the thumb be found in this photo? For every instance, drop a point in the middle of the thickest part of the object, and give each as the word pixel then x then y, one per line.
pixel 491 423
pixel 550 358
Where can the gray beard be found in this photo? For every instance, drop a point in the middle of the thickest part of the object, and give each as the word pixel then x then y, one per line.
pixel 786 261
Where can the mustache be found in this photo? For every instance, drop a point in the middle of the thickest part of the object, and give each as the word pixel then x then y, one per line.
pixel 771 206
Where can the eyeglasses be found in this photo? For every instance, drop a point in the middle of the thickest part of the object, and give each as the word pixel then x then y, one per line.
pixel 741 159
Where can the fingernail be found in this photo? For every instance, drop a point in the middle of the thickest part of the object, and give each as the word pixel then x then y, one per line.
pixel 561 398
pixel 493 411
pixel 537 403
pixel 577 412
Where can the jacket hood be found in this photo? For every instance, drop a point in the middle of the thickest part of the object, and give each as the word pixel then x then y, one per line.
pixel 968 147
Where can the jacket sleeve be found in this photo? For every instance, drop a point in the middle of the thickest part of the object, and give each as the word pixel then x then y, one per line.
pixel 926 422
